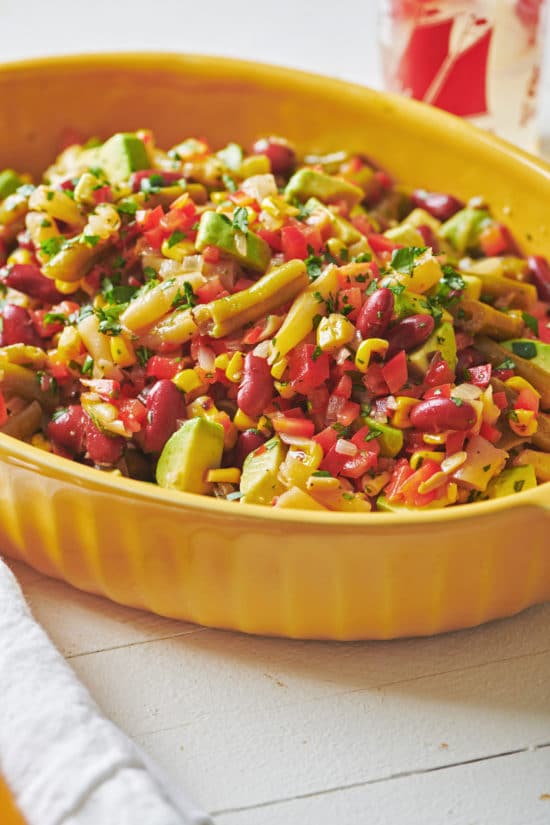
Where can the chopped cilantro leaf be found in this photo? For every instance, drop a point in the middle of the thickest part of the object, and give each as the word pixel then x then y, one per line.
pixel 518 485
pixel 127 207
pixel 176 236
pixel 321 474
pixel 531 323
pixel 88 365
pixel 60 413
pixel 363 258
pixel 185 299
pixel 373 434
pixel 317 352
pixel 108 318
pixel 403 260
pixel 54 318
pixel 314 264
pixel 507 364
pixel 51 246
pixel 525 349
pixel 229 183
pixel 143 355
pixel 91 240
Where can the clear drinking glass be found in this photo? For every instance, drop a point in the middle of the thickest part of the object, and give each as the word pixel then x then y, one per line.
pixel 480 59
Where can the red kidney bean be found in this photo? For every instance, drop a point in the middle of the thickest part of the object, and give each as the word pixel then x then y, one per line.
pixel 375 314
pixel 439 414
pixel 28 278
pixel 429 237
pixel 437 204
pixel 540 275
pixel 68 430
pixel 17 327
pixel 409 333
pixel 100 447
pixel 256 387
pixel 466 358
pixel 165 406
pixel 281 155
pixel 248 441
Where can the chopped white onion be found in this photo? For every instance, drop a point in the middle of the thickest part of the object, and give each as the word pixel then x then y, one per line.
pixel 262 349
pixel 260 186
pixel 344 447
pixel 467 392
pixel 206 358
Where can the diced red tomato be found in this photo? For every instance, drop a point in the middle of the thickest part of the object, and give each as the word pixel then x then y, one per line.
pixel 527 400
pixel 438 372
pixel 348 412
pixel 298 239
pixel 327 438
pixel 211 254
pixel 489 432
pixel 359 464
pixel 147 219
pixel 106 388
pixel 301 427
pixel 182 218
pixel 374 380
pixel 3 410
pixel 161 366
pixel 60 372
pixel 504 375
pixel 132 413
pixel 211 290
pixel 45 330
pixel 480 375
pixel 442 391
pixel 379 243
pixel 455 442
pixel 408 490
pixel 242 283
pixel 333 461
pixel 155 237
pixel 500 400
pixel 351 297
pixel 395 372
pixel 493 240
pixel 363 224
pixel 401 472
pixel 360 440
pixel 307 369
pixel 344 387
pixel 272 238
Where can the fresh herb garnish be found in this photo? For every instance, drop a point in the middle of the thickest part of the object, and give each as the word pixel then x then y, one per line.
pixel 229 183
pixel 143 355
pixel 90 240
pixel 314 264
pixel 185 299
pixel 88 365
pixel 240 219
pixel 108 318
pixel 317 352
pixel 176 236
pixel 525 349
pixel 518 485
pixel 55 318
pixel 531 323
pixel 403 260
pixel 51 246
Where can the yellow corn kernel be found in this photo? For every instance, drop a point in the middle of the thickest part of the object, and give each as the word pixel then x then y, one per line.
pixel 41 443
pixel 20 256
pixel 234 370
pixel 284 389
pixel 517 383
pixel 221 361
pixel 66 287
pixel 187 380
pixel 69 344
pixel 334 332
pixel 322 483
pixel 264 425
pixel 435 438
pixel 420 456
pixel 365 350
pixel 177 251
pixel 432 483
pixel 122 351
pixel 181 201
pixel 278 368
pixel 523 422
pixel 402 416
pixel 277 206
pixel 224 475
pixel 242 421
pixel 218 198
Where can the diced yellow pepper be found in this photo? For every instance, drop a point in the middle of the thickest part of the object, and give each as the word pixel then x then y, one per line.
pixel 365 350
pixel 264 425
pixel 298 499
pixel 322 483
pixel 278 368
pixel 177 251
pixel 402 415
pixel 334 331
pixel 420 456
pixel 523 422
pixel 187 380
pixel 242 421
pixel 67 287
pixel 517 383
pixel 69 344
pixel 284 389
pixel 122 351
pixel 20 256
pixel 224 475
pixel 301 461
pixel 435 438
pixel 234 369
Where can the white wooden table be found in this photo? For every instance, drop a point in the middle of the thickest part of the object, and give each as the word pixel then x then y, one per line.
pixel 452 730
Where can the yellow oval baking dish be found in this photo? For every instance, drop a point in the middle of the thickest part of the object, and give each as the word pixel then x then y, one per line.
pixel 255 569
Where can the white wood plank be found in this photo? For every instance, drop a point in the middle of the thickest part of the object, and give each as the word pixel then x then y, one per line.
pixel 510 790
pixel 81 623
pixel 300 718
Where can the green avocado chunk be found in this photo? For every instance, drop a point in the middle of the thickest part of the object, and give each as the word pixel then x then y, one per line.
pixel 308 183
pixel 259 479
pixel 442 340
pixel 217 230
pixel 512 481
pixel 121 155
pixel 390 438
pixel 188 455
pixel 408 303
pixel 406 234
pixel 463 229
pixel 9 182
pixel 534 351
pixel 343 229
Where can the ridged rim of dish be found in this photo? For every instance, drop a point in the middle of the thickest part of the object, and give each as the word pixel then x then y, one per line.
pixel 50 465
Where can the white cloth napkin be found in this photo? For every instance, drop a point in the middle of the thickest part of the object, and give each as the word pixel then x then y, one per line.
pixel 64 761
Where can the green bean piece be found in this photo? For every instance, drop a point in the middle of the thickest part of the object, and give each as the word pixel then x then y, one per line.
pixel 275 288
pixel 25 423
pixel 478 318
pixel 22 381
pixel 74 260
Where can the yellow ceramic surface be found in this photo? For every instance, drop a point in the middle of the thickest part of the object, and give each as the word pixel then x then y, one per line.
pixel 10 814
pixel 309 575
